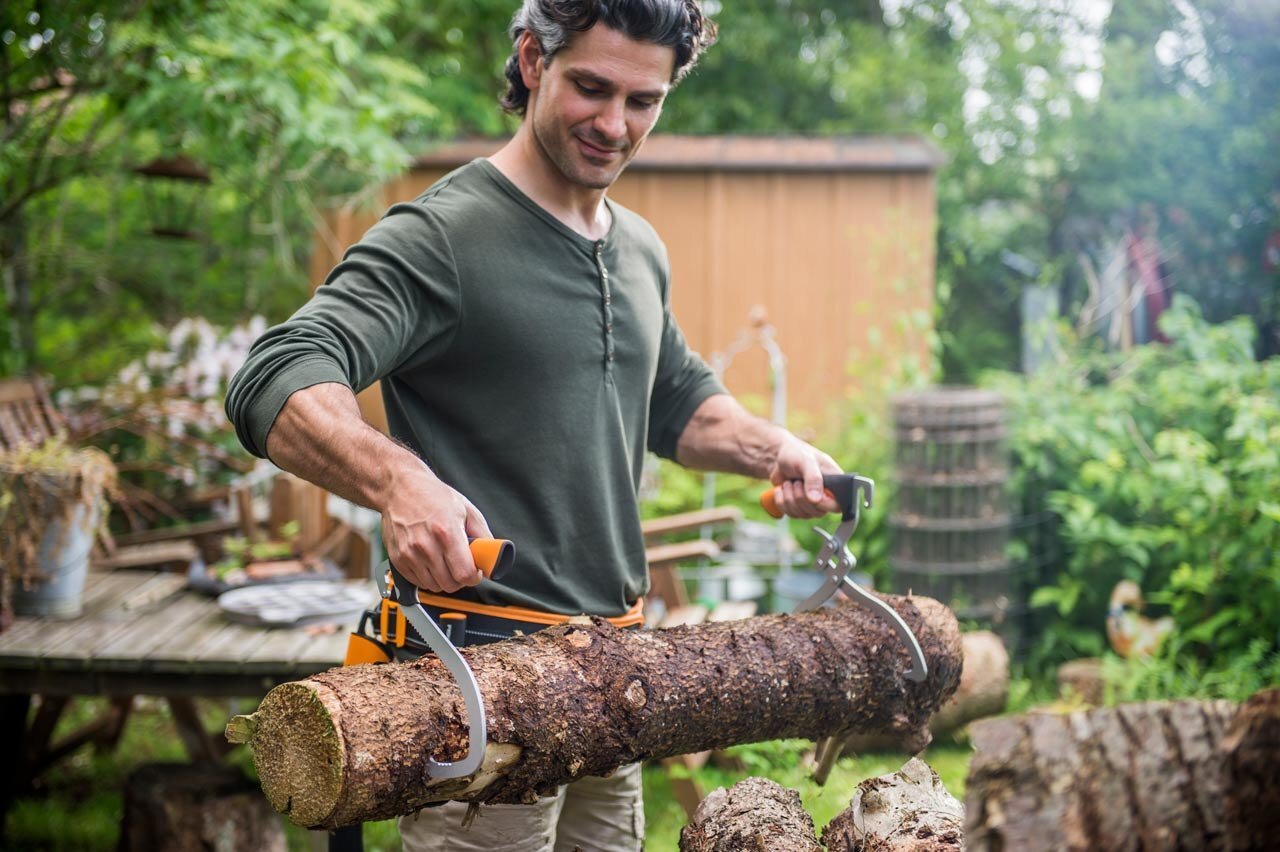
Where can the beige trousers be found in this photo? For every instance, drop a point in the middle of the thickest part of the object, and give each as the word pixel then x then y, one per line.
pixel 591 814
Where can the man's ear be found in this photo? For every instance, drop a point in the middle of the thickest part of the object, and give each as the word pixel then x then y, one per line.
pixel 530 53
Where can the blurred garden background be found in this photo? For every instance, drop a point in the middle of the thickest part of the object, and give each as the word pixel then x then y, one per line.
pixel 165 168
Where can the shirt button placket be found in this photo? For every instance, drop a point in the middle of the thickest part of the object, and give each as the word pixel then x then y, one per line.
pixel 607 306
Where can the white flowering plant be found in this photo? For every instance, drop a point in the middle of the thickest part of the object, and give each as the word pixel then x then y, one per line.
pixel 161 420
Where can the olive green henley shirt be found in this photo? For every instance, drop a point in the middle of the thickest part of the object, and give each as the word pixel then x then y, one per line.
pixel 529 366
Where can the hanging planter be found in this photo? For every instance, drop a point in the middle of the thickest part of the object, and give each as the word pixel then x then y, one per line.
pixel 173 189
pixel 52 501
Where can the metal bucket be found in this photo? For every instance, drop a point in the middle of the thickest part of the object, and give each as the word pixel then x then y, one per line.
pixel 62 563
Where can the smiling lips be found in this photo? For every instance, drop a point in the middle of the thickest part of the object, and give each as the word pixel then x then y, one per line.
pixel 598 152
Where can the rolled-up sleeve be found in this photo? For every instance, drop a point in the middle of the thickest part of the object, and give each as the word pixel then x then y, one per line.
pixel 392 299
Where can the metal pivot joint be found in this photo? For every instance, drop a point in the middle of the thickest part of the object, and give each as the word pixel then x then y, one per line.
pixel 853 493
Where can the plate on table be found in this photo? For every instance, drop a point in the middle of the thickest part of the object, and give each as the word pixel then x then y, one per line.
pixel 297 604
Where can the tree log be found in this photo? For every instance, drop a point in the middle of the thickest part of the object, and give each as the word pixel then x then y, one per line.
pixel 754 815
pixel 1185 775
pixel 983 691
pixel 352 744
pixel 906 811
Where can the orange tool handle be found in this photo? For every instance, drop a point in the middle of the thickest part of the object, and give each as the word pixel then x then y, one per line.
pixel 492 555
pixel 769 500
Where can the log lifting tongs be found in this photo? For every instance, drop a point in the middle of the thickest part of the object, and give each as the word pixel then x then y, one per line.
pixel 835 560
pixel 491 555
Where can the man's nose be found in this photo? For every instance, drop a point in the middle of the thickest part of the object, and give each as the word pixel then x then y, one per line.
pixel 611 121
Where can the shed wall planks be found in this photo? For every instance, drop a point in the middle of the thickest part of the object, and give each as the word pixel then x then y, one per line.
pixel 842 261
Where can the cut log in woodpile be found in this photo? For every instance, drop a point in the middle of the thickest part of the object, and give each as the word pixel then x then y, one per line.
pixel 352 744
pixel 983 691
pixel 1185 775
pixel 754 815
pixel 1081 680
pixel 171 806
pixel 906 811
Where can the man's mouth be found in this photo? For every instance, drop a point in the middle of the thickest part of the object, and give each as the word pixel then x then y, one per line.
pixel 598 152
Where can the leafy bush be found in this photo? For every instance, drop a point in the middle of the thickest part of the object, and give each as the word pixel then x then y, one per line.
pixel 1162 465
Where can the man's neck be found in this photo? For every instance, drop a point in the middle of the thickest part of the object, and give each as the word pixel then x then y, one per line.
pixel 578 207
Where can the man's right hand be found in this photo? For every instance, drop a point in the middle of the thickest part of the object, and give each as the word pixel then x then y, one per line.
pixel 320 436
pixel 426 526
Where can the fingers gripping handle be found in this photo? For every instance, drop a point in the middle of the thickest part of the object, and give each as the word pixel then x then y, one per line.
pixel 844 488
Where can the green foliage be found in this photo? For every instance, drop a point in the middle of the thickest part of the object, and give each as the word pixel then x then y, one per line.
pixel 284 103
pixel 1177 671
pixel 1162 467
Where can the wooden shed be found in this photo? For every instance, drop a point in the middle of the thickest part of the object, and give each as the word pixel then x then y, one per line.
pixel 833 237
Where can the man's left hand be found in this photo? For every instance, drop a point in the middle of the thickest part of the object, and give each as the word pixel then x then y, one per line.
pixel 797 471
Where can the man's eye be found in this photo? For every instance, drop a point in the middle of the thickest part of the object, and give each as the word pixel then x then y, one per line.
pixel 591 91
pixel 638 104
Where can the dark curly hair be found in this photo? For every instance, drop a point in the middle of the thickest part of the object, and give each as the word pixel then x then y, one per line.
pixel 672 23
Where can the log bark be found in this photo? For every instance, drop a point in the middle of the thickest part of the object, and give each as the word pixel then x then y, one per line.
pixel 1187 775
pixel 351 745
pixel 907 811
pixel 754 815
pixel 1252 746
pixel 983 691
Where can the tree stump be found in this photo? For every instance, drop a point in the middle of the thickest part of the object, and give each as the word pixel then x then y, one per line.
pixel 754 815
pixel 205 806
pixel 352 744
pixel 907 811
pixel 1082 679
pixel 1185 775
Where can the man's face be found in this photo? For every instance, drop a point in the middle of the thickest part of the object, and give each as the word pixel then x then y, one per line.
pixel 593 105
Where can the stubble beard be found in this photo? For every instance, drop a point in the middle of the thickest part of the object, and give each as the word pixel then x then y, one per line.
pixel 560 150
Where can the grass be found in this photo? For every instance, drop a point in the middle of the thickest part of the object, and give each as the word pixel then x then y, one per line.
pixel 77 805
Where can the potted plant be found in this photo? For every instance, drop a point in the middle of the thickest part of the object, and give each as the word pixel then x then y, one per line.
pixel 52 501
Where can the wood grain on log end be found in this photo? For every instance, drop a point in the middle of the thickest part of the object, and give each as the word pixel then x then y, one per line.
pixel 906 811
pixel 754 815
pixel 299 752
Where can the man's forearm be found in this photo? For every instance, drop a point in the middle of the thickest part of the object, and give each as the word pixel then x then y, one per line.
pixel 723 436
pixel 320 436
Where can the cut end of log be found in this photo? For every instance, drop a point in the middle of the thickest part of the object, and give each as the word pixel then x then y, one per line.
pixel 906 810
pixel 754 815
pixel 299 753
pixel 241 728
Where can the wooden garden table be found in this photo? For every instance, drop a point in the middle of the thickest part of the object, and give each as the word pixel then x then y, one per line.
pixel 141 633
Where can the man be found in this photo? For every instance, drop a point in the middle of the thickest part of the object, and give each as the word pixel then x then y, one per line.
pixel 520 324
